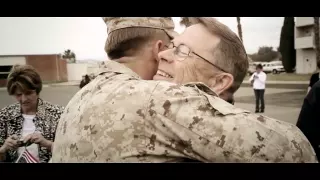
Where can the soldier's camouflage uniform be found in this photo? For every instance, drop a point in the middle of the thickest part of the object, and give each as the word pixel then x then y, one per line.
pixel 164 23
pixel 120 118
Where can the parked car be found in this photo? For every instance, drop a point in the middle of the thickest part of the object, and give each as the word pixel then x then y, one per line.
pixel 273 67
pixel 252 67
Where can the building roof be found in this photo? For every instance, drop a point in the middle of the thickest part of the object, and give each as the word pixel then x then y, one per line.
pixel 19 55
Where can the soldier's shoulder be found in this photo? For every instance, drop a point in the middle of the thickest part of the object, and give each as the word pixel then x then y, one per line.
pixel 193 88
pixel 282 128
pixel 112 78
pixel 283 142
pixel 195 95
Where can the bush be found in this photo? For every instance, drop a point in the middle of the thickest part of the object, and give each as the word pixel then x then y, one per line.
pixel 265 54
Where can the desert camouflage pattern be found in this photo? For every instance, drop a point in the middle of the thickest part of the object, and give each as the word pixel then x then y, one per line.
pixel 120 118
pixel 164 23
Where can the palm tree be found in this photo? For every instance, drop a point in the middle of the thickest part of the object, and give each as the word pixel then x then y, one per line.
pixel 239 29
pixel 316 39
pixel 69 55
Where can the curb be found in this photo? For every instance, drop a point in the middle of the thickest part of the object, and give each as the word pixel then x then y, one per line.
pixel 63 85
pixel 283 82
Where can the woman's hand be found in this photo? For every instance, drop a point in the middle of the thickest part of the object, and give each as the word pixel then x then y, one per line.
pixel 37 138
pixel 11 143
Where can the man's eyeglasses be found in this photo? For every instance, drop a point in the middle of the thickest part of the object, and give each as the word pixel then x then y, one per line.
pixel 182 52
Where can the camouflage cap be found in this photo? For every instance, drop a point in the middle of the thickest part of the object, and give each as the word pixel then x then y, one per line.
pixel 164 23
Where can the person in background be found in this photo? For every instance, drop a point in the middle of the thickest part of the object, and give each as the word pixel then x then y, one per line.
pixel 313 79
pixel 258 81
pixel 309 118
pixel 85 80
pixel 30 120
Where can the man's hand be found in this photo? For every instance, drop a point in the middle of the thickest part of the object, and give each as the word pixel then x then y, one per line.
pixel 11 143
pixel 37 138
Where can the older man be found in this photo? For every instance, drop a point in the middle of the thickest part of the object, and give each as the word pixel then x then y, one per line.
pixel 119 117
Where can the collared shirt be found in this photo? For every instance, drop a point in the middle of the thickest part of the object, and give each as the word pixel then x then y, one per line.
pixel 259 81
pixel 120 118
pixel 46 120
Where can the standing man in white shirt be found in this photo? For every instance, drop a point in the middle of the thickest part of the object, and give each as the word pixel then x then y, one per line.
pixel 258 81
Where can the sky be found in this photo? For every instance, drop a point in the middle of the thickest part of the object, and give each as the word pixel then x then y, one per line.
pixel 86 36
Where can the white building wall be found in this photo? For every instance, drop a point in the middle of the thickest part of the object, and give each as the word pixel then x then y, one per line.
pixel 306 61
pixel 304 21
pixel 12 60
pixel 76 71
pixel 93 70
pixel 304 42
pixel 304 45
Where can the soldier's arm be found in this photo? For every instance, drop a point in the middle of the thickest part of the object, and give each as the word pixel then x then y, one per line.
pixel 208 129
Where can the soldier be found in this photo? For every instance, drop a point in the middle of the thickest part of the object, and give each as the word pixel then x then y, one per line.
pixel 119 117
pixel 127 38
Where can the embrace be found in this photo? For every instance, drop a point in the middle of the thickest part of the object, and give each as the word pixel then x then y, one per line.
pixel 162 97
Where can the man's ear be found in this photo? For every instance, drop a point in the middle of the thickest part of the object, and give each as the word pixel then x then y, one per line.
pixel 157 48
pixel 221 82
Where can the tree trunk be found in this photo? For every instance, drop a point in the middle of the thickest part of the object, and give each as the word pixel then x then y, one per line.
pixel 239 29
pixel 317 40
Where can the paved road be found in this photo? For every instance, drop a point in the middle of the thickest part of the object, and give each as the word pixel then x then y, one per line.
pixel 56 95
pixel 282 104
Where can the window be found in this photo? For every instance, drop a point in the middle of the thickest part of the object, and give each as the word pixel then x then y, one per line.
pixel 5 68
pixel 4 75
pixel 4 71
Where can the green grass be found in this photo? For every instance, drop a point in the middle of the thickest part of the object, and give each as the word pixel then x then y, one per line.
pixel 286 77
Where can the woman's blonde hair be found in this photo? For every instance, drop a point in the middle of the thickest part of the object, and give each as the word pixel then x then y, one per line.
pixel 23 78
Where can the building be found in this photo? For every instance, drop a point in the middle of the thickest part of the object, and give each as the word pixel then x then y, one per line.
pixel 81 68
pixel 306 62
pixel 50 66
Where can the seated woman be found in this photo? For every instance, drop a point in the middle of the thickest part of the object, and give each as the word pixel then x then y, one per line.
pixel 30 120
